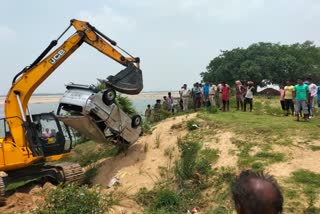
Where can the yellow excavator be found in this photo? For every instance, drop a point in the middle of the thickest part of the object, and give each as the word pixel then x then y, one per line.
pixel 26 149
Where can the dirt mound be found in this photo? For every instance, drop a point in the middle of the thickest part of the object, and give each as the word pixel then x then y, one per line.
pixel 26 199
pixel 139 167
pixel 223 142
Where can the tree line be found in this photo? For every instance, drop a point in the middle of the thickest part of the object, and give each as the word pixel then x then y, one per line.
pixel 266 63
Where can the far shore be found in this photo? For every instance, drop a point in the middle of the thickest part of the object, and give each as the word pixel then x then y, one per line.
pixel 56 98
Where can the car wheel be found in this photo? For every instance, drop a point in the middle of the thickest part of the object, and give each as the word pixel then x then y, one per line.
pixel 136 121
pixel 109 96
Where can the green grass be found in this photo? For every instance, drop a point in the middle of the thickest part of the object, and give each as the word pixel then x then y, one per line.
pixel 264 125
pixel 306 177
pixel 314 148
pixel 260 159
pixel 90 152
pixel 193 124
pixel 74 199
pixel 303 184
pixel 15 185
pixel 259 136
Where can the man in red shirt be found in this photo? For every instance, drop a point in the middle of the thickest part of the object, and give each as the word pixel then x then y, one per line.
pixel 225 90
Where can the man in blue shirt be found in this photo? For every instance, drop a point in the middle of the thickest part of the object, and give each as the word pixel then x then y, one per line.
pixel 206 89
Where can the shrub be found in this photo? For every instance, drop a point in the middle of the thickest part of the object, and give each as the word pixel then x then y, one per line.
pixel 87 157
pixel 212 109
pixel 126 105
pixel 160 200
pixel 186 166
pixel 206 158
pixel 147 127
pixel 75 200
pixel 192 125
pixel 167 200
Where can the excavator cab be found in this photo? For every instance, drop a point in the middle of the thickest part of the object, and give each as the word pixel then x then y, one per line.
pixel 128 80
pixel 48 135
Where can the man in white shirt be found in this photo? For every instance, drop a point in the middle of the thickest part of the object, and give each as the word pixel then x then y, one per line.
pixel 212 94
pixel 249 96
pixel 185 95
pixel 313 90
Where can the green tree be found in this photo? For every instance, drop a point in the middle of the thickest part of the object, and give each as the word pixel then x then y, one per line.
pixel 266 63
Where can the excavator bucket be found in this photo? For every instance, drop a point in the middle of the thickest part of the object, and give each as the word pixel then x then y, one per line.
pixel 127 81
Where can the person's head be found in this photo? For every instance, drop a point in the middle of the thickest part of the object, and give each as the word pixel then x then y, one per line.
pixel 299 81
pixel 184 86
pixel 169 94
pixel 196 84
pixel 250 83
pixel 255 192
pixel 148 106
pixel 165 97
pixel 207 83
pixel 238 82
pixel 158 101
pixel 309 80
pixel 288 82
pixel 281 86
pixel 223 83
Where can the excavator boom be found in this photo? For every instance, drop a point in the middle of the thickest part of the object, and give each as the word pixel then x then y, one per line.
pixel 33 140
pixel 127 81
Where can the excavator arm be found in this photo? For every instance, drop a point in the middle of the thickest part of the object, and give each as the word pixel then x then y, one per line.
pixel 25 83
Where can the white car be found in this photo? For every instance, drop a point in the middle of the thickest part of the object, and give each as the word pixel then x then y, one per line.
pixel 95 114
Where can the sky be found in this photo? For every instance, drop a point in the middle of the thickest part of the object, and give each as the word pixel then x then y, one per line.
pixel 175 39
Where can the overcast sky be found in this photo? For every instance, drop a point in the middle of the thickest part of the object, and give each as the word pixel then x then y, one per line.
pixel 175 39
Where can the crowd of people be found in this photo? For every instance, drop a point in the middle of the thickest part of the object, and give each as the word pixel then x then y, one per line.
pixel 205 95
pixel 300 99
pixel 209 94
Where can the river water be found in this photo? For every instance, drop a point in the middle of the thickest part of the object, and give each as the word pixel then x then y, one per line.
pixel 36 108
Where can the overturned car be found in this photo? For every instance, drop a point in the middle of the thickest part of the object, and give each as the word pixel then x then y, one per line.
pixel 95 115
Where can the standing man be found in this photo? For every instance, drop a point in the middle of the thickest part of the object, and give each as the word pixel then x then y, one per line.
pixel 240 92
pixel 148 112
pixel 313 89
pixel 249 96
pixel 282 102
pixel 225 96
pixel 185 94
pixel 212 94
pixel 180 100
pixel 196 93
pixel 170 102
pixel 206 89
pixel 301 97
pixel 219 93
pixel 288 97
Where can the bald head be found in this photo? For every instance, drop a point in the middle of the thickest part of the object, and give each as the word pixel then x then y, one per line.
pixel 254 192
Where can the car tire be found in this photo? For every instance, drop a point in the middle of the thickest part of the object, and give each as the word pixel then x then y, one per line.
pixel 109 96
pixel 136 121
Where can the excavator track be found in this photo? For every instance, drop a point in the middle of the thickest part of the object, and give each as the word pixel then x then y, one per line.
pixel 2 192
pixel 71 173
